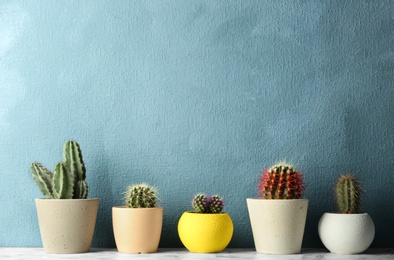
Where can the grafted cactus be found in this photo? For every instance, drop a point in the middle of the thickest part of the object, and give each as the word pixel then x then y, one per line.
pixel 348 191
pixel 141 196
pixel 281 181
pixel 207 204
pixel 68 179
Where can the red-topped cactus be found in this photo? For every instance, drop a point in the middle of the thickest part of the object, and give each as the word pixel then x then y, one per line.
pixel 281 181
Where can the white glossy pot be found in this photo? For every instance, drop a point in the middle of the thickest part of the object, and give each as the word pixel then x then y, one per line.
pixel 277 225
pixel 346 233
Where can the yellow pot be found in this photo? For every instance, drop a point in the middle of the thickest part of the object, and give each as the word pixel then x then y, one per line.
pixel 205 233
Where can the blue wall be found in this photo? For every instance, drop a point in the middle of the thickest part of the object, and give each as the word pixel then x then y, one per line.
pixel 197 96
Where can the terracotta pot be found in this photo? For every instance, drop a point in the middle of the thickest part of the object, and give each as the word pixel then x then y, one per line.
pixel 137 230
pixel 277 225
pixel 346 233
pixel 205 233
pixel 67 225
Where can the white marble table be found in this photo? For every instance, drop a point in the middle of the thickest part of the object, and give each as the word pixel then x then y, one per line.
pixel 16 253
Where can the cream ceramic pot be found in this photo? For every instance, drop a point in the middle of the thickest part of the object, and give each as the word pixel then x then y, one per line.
pixel 137 230
pixel 346 233
pixel 277 225
pixel 67 225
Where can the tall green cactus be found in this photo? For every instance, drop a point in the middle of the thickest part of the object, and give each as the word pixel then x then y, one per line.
pixel 348 191
pixel 72 157
pixel 68 179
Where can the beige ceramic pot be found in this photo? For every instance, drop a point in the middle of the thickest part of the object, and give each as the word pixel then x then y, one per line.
pixel 67 225
pixel 137 230
pixel 277 225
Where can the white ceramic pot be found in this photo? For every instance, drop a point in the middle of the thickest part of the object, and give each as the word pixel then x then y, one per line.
pixel 277 225
pixel 67 225
pixel 137 230
pixel 346 233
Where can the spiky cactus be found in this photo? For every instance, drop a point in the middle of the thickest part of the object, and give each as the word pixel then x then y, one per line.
pixel 141 196
pixel 348 191
pixel 207 204
pixel 68 179
pixel 281 181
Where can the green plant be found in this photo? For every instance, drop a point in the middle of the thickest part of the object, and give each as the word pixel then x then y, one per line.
pixel 68 179
pixel 141 196
pixel 281 181
pixel 348 191
pixel 207 204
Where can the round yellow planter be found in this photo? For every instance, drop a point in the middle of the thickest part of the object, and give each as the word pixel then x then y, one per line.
pixel 205 233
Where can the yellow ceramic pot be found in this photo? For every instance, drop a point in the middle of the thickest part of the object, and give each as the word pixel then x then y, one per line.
pixel 205 233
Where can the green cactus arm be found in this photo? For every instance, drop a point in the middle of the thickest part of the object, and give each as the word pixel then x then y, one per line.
pixel 43 179
pixel 62 183
pixel 72 156
pixel 81 190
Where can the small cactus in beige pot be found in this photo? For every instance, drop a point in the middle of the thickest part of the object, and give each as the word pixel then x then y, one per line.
pixel 137 225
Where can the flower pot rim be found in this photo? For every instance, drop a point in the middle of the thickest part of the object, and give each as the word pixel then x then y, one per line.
pixel 199 213
pixel 44 199
pixel 262 199
pixel 127 208
pixel 346 214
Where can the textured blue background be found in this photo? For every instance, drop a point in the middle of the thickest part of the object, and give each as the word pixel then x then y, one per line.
pixel 197 96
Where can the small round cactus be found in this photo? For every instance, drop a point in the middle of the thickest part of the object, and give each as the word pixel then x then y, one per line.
pixel 216 204
pixel 207 204
pixel 348 191
pixel 141 196
pixel 281 181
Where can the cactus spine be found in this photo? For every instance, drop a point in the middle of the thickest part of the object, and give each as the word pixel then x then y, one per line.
pixel 68 179
pixel 141 196
pixel 281 181
pixel 207 204
pixel 348 191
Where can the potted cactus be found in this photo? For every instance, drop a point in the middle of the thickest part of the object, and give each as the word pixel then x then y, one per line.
pixel 278 218
pixel 66 216
pixel 207 229
pixel 356 229
pixel 137 225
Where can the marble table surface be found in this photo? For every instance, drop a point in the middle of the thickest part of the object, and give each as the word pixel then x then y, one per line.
pixel 16 253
